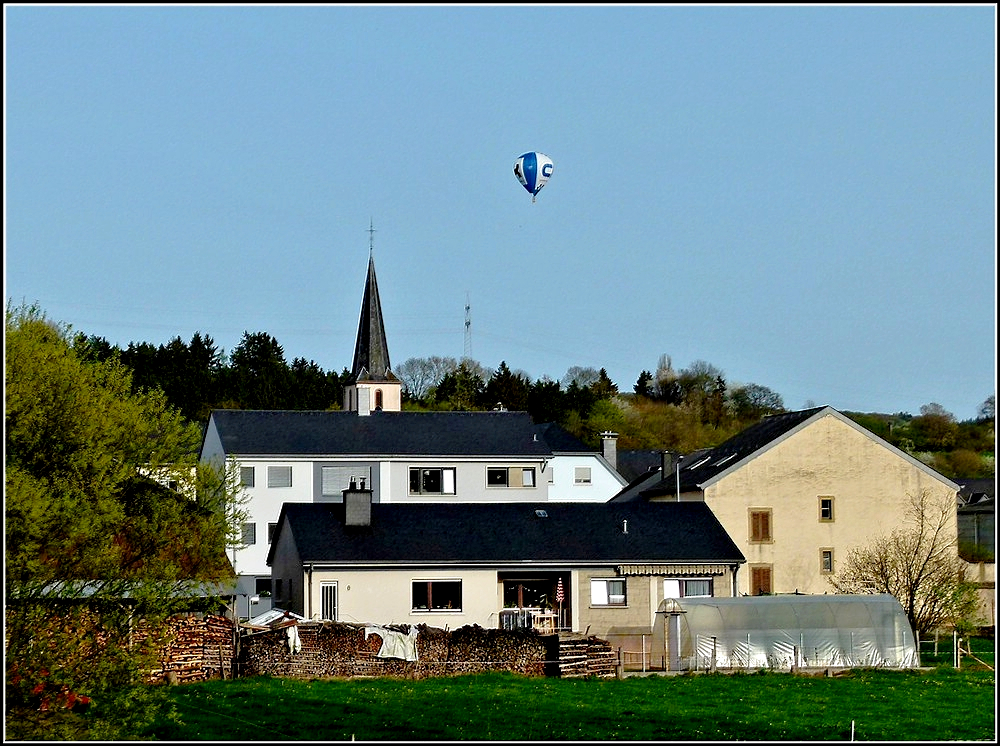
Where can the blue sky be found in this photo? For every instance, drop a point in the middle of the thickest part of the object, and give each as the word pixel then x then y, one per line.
pixel 802 196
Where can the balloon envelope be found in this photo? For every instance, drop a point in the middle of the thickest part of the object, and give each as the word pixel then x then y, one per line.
pixel 533 171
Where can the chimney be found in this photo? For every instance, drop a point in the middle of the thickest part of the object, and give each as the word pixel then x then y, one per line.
pixel 666 463
pixel 357 505
pixel 609 448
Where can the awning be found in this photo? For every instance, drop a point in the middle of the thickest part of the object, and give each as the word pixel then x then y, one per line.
pixel 673 570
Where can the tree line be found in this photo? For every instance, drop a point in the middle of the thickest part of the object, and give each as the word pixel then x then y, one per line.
pixel 677 409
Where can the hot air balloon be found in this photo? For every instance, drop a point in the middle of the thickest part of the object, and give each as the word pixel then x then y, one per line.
pixel 533 171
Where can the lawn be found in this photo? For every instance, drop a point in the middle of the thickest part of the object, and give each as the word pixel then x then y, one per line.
pixel 939 705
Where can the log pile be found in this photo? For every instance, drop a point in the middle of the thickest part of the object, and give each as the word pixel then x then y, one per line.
pixel 586 656
pixel 197 648
pixel 342 650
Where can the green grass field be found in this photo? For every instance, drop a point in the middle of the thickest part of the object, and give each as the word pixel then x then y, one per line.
pixel 940 705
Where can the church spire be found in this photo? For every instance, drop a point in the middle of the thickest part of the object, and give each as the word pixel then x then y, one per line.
pixel 372 385
pixel 371 351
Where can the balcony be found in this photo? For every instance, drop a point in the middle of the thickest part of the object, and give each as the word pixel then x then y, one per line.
pixel 535 618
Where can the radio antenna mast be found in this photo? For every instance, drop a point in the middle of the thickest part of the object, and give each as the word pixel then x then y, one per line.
pixel 468 328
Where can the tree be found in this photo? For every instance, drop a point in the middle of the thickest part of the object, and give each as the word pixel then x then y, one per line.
pixel 603 387
pixel 259 375
pixel 582 377
pixel 461 389
pixel 988 409
pixel 94 538
pixel 917 563
pixel 934 429
pixel 420 374
pixel 753 401
pixel 507 388
pixel 642 385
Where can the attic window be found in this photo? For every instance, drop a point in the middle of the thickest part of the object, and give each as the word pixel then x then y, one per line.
pixel 541 514
pixel 699 463
pixel 724 459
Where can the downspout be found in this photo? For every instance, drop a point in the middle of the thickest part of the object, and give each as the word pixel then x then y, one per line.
pixel 309 596
pixel 735 569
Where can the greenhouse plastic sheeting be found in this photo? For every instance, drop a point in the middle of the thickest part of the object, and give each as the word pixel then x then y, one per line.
pixel 786 631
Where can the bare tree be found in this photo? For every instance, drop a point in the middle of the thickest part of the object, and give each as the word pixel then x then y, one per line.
pixel 420 374
pixel 917 563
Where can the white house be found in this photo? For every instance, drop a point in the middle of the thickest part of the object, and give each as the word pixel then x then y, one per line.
pixel 402 457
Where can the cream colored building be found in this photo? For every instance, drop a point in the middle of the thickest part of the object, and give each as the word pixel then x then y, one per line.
pixel 594 568
pixel 798 491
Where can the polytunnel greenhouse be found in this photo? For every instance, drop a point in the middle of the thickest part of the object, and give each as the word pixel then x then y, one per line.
pixel 786 632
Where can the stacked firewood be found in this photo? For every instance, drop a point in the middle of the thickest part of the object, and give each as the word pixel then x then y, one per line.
pixel 197 648
pixel 586 656
pixel 344 650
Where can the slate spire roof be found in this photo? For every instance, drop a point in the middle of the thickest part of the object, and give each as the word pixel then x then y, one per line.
pixel 371 351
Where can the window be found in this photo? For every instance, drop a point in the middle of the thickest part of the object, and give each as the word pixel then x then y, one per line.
pixel 279 476
pixel 249 534
pixel 826 561
pixel 378 398
pixel 609 592
pixel 432 481
pixel 271 527
pixel 760 525
pixel 328 600
pixel 437 595
pixel 760 580
pixel 496 477
pixel 826 508
pixel 552 475
pixel 262 586
pixel 278 598
pixel 336 479
pixel 514 476
pixel 246 476
pixel 581 475
pixel 695 588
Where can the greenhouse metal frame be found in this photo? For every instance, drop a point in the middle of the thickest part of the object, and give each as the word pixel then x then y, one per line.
pixel 785 632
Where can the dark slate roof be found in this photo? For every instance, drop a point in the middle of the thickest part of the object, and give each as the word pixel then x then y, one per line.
pixel 560 440
pixel 315 433
pixel 500 533
pixel 371 350
pixel 636 463
pixel 699 467
pixel 973 491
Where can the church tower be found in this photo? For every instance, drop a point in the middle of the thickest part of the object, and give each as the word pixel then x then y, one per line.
pixel 372 386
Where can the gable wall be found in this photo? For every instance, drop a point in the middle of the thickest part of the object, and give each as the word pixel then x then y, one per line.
pixel 871 486
pixel 604 483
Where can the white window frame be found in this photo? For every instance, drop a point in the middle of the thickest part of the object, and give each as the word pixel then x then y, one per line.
pixel 514 477
pixel 431 608
pixel 447 479
pixel 334 479
pixel 279 477
pixel 249 532
pixel 582 475
pixel 679 588
pixel 601 595
pixel 247 476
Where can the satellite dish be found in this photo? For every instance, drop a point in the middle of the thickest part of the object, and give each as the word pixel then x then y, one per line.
pixel 533 171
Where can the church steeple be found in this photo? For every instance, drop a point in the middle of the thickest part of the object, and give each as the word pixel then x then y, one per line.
pixel 371 351
pixel 371 374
